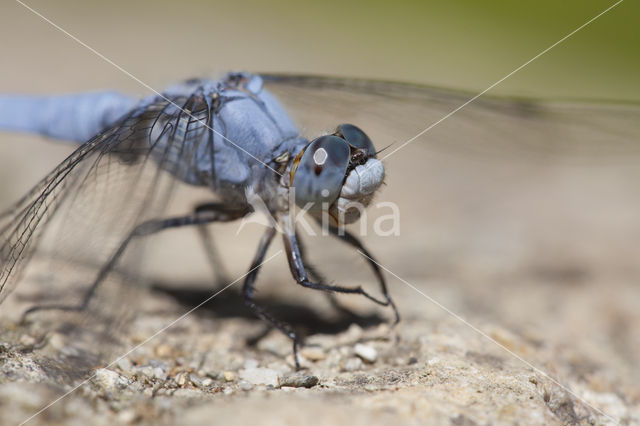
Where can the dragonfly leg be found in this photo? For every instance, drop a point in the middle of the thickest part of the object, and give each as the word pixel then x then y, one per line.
pixel 316 275
pixel 213 255
pixel 248 292
pixel 351 239
pixel 299 273
pixel 203 214
pixel 312 270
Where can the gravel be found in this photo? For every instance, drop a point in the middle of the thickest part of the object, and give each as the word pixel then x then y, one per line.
pixel 109 381
pixel 367 353
pixel 300 381
pixel 260 376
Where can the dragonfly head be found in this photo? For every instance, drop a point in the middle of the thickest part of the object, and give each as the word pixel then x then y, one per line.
pixel 337 174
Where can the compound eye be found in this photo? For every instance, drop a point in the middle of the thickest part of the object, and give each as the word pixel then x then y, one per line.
pixel 356 138
pixel 321 171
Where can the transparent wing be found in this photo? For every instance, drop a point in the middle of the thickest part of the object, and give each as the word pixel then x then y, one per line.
pixel 69 225
pixel 108 184
pixel 497 128
pixel 501 184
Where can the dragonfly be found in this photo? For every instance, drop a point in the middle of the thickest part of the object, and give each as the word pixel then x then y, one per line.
pixel 237 138
pixel 230 136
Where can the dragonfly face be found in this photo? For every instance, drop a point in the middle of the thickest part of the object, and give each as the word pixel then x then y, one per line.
pixel 337 174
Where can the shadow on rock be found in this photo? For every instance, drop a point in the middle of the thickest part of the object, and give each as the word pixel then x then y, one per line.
pixel 304 318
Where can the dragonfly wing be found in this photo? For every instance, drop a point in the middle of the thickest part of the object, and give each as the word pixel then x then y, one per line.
pixel 531 184
pixel 494 128
pixel 69 225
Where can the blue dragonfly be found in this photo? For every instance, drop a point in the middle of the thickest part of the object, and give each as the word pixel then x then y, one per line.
pixel 235 138
pixel 229 135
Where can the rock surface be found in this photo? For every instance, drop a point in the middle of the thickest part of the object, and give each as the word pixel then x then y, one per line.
pixel 443 373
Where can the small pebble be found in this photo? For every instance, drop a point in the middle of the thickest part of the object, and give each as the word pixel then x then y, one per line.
pixel 245 385
pixel 433 361
pixel 109 381
pixel 158 373
pixel 313 353
pixel 260 376
pixel 163 351
pixel 300 381
pixel 207 382
pixel 26 340
pixel 126 416
pixel 146 371
pixel 181 379
pixel 228 376
pixel 195 380
pixel 366 352
pixel 124 364
pixel 157 363
pixel 354 332
pixel 352 364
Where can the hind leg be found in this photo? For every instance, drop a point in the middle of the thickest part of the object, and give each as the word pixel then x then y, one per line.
pixel 203 214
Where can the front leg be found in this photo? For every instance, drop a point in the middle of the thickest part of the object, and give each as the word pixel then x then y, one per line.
pixel 351 239
pixel 299 273
pixel 316 275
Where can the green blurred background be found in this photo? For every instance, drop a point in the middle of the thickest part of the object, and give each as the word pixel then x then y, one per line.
pixel 457 44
